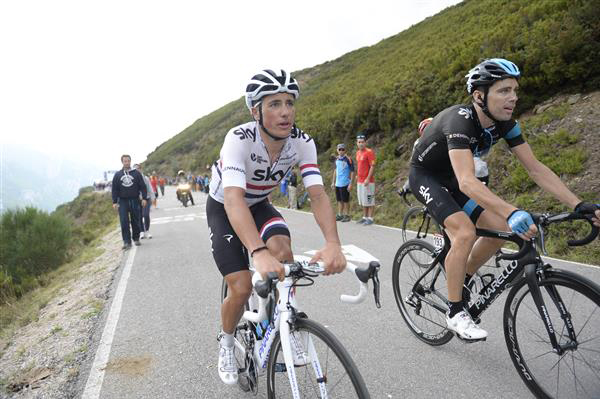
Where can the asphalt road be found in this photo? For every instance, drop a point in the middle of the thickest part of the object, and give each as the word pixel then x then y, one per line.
pixel 164 345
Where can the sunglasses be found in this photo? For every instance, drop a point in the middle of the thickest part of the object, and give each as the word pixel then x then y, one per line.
pixel 341 149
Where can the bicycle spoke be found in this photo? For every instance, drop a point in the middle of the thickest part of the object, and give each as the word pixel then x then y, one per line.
pixel 587 321
pixel 541 339
pixel 538 356
pixel 588 349
pixel 588 340
pixel 595 370
pixel 577 380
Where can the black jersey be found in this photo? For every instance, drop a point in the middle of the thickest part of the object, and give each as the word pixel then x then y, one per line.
pixel 458 127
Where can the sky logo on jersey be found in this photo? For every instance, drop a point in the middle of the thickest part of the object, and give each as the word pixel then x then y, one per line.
pixel 425 194
pixel 297 133
pixel 466 112
pixel 268 174
pixel 245 134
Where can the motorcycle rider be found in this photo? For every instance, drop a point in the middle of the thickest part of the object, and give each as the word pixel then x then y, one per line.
pixel 182 180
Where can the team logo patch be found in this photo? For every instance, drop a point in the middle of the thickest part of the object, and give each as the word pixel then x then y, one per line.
pixel 466 112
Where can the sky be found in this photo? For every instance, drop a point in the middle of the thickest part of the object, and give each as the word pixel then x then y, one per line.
pixel 91 80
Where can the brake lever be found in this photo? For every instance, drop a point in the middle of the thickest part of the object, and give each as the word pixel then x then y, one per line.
pixel 376 288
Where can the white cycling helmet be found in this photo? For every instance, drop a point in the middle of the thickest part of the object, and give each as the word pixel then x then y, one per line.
pixel 268 82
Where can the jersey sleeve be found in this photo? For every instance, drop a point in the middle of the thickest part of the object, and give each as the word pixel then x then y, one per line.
pixel 459 129
pixel 233 161
pixel 307 161
pixel 514 137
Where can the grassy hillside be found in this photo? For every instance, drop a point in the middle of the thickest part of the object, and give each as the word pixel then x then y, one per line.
pixel 387 88
pixel 38 248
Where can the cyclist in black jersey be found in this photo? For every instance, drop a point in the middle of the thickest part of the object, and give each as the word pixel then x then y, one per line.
pixel 442 178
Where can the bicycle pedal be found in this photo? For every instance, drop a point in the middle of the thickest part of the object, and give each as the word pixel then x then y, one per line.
pixel 469 341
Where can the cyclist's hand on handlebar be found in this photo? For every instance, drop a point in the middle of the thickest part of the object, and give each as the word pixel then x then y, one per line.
pixel 588 208
pixel 265 263
pixel 332 257
pixel 520 222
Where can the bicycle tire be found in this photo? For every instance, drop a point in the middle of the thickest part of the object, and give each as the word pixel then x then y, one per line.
pixel 518 330
pixel 278 386
pixel 424 321
pixel 414 214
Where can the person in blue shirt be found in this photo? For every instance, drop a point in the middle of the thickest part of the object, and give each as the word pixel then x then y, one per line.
pixel 343 174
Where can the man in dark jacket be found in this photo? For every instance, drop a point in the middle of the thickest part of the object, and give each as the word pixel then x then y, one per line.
pixel 127 185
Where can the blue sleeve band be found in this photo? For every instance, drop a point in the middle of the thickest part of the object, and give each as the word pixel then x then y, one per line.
pixel 469 207
pixel 514 132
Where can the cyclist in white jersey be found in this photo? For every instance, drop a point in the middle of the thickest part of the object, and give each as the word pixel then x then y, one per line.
pixel 255 157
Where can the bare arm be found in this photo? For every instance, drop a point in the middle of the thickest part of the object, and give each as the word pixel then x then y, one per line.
pixel 464 169
pixel 333 177
pixel 544 177
pixel 371 172
pixel 331 254
pixel 243 224
pixel 241 219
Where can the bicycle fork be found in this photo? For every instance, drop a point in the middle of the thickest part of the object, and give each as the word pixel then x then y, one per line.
pixel 286 348
pixel 531 275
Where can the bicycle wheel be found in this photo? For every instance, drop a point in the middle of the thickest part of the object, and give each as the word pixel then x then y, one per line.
pixel 340 376
pixel 576 372
pixel 416 220
pixel 423 309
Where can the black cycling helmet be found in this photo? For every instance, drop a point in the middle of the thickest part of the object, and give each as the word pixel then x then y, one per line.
pixel 265 83
pixel 490 71
pixel 486 74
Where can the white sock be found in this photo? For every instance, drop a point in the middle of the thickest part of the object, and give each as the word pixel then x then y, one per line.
pixel 227 339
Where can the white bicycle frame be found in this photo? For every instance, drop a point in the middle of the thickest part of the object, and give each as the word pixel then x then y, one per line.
pixel 281 315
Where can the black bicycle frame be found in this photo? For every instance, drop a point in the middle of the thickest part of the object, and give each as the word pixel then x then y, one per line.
pixel 528 264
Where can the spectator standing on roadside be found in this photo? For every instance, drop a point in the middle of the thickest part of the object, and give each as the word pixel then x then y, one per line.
pixel 293 183
pixel 154 184
pixel 127 185
pixel 161 184
pixel 343 174
pixel 145 215
pixel 365 179
pixel 206 183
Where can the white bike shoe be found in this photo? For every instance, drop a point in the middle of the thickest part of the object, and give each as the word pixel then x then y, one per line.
pixel 299 341
pixel 464 327
pixel 227 365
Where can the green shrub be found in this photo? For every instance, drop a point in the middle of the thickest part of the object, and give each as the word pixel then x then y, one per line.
pixel 32 242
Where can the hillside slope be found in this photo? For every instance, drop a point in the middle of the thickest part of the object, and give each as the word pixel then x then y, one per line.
pixel 385 89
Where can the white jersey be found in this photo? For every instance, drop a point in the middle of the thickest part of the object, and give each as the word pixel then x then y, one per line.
pixel 244 162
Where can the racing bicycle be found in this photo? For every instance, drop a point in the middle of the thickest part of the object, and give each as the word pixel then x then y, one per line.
pixel 551 316
pixel 301 358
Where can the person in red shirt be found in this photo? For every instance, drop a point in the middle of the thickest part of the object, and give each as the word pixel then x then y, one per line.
pixel 365 181
pixel 154 184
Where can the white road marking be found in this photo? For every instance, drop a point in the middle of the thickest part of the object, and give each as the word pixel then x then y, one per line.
pixel 179 218
pixel 96 377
